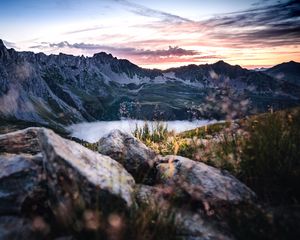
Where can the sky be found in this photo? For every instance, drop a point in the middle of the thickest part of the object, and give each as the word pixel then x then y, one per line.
pixel 157 33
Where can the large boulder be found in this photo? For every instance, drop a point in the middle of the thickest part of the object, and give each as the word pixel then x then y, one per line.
pixel 135 156
pixel 201 182
pixel 80 179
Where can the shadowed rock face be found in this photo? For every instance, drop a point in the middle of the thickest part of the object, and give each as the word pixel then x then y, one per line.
pixel 191 224
pixel 135 156
pixel 22 184
pixel 202 182
pixel 20 179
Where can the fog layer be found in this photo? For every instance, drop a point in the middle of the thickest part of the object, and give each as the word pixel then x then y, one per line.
pixel 93 131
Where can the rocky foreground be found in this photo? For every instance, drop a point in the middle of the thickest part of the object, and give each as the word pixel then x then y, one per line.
pixel 53 188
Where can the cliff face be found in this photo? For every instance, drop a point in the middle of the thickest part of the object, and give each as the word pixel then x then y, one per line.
pixel 63 89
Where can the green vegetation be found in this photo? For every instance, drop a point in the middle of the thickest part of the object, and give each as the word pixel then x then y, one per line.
pixel 160 139
pixel 146 222
pixel 150 222
pixel 262 151
pixel 270 161
pixel 250 222
pixel 205 144
pixel 157 133
pixel 91 146
pixel 202 132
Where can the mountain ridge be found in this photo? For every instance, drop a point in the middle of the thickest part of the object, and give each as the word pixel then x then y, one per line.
pixel 64 89
pixel 289 71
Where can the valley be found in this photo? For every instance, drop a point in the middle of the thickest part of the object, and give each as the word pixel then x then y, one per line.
pixel 59 90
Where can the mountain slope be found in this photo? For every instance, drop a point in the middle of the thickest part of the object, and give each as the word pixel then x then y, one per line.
pixel 289 71
pixel 63 89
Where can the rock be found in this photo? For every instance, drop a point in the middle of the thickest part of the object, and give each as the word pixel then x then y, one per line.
pixel 190 225
pixel 135 156
pixel 193 226
pixel 13 227
pixel 65 238
pixel 20 180
pixel 150 195
pixel 16 227
pixel 80 179
pixel 23 141
pixel 201 182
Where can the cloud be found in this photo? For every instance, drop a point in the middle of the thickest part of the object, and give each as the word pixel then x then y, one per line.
pixel 171 51
pixel 85 30
pixel 10 44
pixel 262 2
pixel 270 24
pixel 149 12
pixel 144 57
pixel 275 25
pixel 266 25
pixel 175 60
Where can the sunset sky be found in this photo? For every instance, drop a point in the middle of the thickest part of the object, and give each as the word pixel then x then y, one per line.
pixel 157 33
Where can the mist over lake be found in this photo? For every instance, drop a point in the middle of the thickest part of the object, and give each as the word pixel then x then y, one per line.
pixel 93 131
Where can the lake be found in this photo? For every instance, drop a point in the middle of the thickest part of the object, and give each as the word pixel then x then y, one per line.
pixel 93 131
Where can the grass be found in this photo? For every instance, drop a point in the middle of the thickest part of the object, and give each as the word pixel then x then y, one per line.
pixel 249 222
pixel 205 144
pixel 146 222
pixel 202 132
pixel 150 222
pixel 262 150
pixel 160 139
pixel 270 161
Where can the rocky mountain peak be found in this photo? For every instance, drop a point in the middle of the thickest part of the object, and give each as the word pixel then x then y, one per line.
pixel 223 64
pixel 220 62
pixel 1 44
pixel 103 56
pixel 3 50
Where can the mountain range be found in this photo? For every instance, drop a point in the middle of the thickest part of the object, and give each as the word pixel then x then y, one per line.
pixel 64 89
